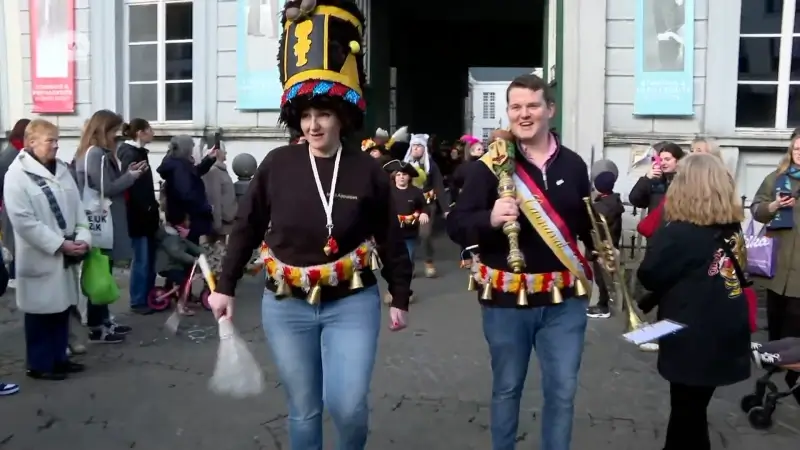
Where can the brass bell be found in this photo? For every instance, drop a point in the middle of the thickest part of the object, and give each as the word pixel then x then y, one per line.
pixel 473 285
pixel 355 281
pixel 556 293
pixel 314 295
pixel 522 297
pixel 283 289
pixel 487 292
pixel 374 261
pixel 580 289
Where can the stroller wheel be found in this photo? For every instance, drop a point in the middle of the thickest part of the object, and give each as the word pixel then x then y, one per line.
pixel 157 300
pixel 750 401
pixel 204 298
pixel 760 418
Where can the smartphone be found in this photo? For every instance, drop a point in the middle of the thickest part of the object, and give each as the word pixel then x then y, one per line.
pixel 217 140
pixel 785 194
pixel 657 159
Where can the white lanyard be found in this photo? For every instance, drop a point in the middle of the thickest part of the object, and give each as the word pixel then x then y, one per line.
pixel 327 204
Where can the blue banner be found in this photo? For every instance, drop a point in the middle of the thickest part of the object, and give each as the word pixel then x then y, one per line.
pixel 664 49
pixel 258 82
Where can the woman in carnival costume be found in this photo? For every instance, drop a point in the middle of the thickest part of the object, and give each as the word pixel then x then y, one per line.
pixel 431 182
pixel 332 222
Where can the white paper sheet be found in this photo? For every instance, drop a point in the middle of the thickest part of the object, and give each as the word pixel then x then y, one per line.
pixel 652 332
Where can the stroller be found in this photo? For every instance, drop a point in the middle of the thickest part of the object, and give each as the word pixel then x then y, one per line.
pixel 161 297
pixel 761 404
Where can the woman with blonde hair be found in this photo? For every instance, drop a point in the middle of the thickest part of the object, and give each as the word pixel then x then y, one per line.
pixel 97 167
pixel 775 206
pixel 693 267
pixel 52 237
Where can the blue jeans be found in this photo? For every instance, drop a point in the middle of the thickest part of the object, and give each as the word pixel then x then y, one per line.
pixel 143 275
pixel 556 333
pixel 411 246
pixel 325 355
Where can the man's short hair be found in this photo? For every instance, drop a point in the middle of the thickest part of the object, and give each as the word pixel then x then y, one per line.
pixel 534 83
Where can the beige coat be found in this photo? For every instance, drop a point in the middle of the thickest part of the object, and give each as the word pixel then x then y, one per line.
pixel 44 285
pixel 787 272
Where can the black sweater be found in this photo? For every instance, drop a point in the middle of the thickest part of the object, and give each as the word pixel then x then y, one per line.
pixel 408 201
pixel 565 181
pixel 283 191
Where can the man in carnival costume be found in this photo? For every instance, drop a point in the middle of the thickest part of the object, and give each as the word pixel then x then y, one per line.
pixel 431 182
pixel 332 222
pixel 520 213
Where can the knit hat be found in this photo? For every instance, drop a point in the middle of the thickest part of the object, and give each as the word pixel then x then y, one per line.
pixel 604 182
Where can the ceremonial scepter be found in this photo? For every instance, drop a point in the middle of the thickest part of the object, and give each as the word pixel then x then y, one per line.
pixel 503 151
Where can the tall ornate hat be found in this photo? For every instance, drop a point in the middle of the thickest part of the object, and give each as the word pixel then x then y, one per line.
pixel 322 59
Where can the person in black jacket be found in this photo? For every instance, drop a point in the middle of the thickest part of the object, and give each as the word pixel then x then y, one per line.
pixel 650 189
pixel 143 216
pixel 431 182
pixel 184 190
pixel 473 150
pixel 693 266
pixel 608 204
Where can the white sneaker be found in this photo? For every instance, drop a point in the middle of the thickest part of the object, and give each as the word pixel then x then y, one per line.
pixel 12 283
pixel 649 347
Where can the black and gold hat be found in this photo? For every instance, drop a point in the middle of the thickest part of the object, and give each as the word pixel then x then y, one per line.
pixel 321 55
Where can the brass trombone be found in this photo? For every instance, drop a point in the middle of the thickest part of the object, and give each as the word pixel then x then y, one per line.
pixel 611 268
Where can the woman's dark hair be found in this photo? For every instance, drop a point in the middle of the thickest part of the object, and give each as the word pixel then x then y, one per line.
pixel 349 115
pixel 18 132
pixel 132 128
pixel 670 147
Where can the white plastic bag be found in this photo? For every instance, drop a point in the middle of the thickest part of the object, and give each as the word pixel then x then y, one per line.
pixel 236 373
pixel 98 209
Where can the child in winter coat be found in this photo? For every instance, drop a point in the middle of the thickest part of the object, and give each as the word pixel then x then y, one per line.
pixel 608 204
pixel 176 255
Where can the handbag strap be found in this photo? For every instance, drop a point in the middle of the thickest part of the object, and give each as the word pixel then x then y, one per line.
pixel 735 262
pixel 102 171
pixel 51 199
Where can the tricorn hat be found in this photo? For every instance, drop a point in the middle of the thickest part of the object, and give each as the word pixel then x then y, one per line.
pixel 396 165
pixel 321 56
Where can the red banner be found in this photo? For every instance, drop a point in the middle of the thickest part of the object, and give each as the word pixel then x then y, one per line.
pixel 53 55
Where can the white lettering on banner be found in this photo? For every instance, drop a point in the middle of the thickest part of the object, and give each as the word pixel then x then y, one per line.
pixel 757 241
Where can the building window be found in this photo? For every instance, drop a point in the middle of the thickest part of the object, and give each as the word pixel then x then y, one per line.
pixel 768 91
pixel 485 133
pixel 488 105
pixel 159 60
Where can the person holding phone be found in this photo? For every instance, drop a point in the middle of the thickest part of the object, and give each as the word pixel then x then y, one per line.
pixel 96 161
pixel 775 205
pixel 649 190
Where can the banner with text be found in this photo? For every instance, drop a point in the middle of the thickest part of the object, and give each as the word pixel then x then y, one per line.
pixel 664 48
pixel 258 83
pixel 52 55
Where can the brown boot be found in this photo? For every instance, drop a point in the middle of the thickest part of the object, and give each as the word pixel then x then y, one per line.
pixel 430 271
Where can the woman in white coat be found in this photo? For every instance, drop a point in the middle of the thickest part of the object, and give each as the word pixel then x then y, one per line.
pixel 51 236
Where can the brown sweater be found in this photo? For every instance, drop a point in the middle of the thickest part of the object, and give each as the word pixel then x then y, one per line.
pixel 283 191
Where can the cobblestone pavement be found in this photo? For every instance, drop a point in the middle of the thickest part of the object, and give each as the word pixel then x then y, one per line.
pixel 431 389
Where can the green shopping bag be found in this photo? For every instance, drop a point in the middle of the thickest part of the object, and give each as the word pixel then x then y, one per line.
pixel 97 282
